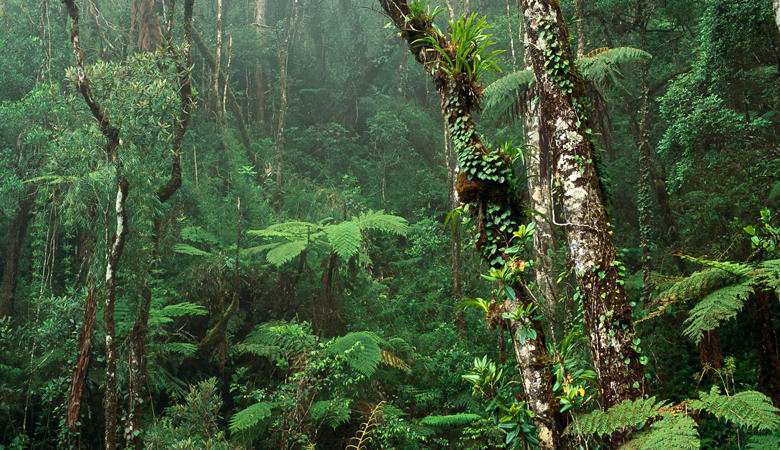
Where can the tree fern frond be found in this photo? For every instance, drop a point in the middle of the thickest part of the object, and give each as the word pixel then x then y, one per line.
pixel 180 348
pixel 737 269
pixel 767 275
pixel 601 66
pixel 278 339
pixel 673 432
pixel 199 235
pixel 749 409
pixel 361 350
pixel 250 417
pixel 379 221
pixel 625 415
pixel 286 252
pixel 501 96
pixel 166 314
pixel 763 442
pixel 186 249
pixel 715 308
pixel 364 433
pixel 345 238
pixel 392 360
pixel 453 420
pixel 295 230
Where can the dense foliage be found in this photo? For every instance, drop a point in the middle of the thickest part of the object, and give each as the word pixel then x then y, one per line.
pixel 318 224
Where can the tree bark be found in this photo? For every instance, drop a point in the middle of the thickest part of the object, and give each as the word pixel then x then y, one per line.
pixel 79 374
pixel 116 246
pixel 776 7
pixel 218 65
pixel 644 196
pixel 260 23
pixel 17 231
pixel 491 202
pixel 145 26
pixel 607 312
pixel 580 17
pixel 284 57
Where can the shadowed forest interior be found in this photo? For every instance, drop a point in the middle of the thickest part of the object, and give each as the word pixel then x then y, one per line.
pixel 390 224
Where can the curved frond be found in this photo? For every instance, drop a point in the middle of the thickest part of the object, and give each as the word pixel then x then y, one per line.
pixel 501 97
pixel 749 409
pixel 361 350
pixel 453 420
pixel 250 417
pixel 345 238
pixel 379 221
pixel 673 432
pixel 625 415
pixel 602 66
pixel 715 308
pixel 286 252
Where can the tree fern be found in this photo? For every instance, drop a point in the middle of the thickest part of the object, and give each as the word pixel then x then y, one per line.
pixel 750 410
pixel 186 249
pixel 167 314
pixel 763 442
pixel 361 350
pixel 285 252
pixel 601 66
pixel 501 96
pixel 673 432
pixel 623 416
pixel 453 420
pixel 334 413
pixel 715 308
pixel 250 417
pixel 280 339
pixel 379 221
pixel 345 239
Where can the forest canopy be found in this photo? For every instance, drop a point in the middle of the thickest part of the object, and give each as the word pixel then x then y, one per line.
pixel 390 224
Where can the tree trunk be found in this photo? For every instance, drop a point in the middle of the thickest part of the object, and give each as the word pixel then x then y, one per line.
pixel 218 66
pixel 138 335
pixel 776 7
pixel 769 363
pixel 260 23
pixel 116 246
pixel 644 196
pixel 580 18
pixel 607 312
pixel 284 57
pixel 493 203
pixel 17 231
pixel 82 362
pixel 710 354
pixel 145 26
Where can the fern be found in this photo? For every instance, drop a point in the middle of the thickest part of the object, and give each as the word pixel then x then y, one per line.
pixel 767 275
pixel 749 409
pixel 295 230
pixel 601 66
pixel 361 350
pixel 392 360
pixel 501 96
pixel 186 249
pixel 250 417
pixel 379 221
pixel 286 252
pixel 717 307
pixel 454 420
pixel 344 238
pixel 276 340
pixel 334 412
pixel 625 415
pixel 199 235
pixel 363 435
pixel 673 432
pixel 763 442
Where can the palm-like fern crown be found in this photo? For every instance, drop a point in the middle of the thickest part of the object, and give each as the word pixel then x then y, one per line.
pixel 345 239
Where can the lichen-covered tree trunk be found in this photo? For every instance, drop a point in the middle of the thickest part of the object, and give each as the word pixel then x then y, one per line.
pixel 17 231
pixel 491 201
pixel 563 109
pixel 117 242
pixel 776 7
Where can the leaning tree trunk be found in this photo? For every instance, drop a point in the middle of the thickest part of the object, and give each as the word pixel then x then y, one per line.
pixel 492 201
pixel 138 335
pixel 13 252
pixel 117 243
pixel 562 101
pixel 79 375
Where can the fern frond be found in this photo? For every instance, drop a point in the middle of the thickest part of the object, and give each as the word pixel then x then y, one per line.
pixel 737 269
pixel 334 412
pixel 379 221
pixel 286 252
pixel 453 420
pixel 295 230
pixel 673 432
pixel 345 239
pixel 501 96
pixel 767 275
pixel 180 348
pixel 166 314
pixel 278 339
pixel 199 235
pixel 763 442
pixel 361 350
pixel 601 66
pixel 186 249
pixel 392 360
pixel 363 435
pixel 250 417
pixel 749 409
pixel 717 307
pixel 625 415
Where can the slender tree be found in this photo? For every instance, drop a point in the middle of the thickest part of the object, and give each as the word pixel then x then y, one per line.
pixel 117 242
pixel 562 99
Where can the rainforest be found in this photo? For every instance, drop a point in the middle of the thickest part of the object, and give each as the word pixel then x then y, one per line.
pixel 390 224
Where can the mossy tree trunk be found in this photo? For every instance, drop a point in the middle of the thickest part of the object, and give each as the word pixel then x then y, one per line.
pixel 484 187
pixel 562 102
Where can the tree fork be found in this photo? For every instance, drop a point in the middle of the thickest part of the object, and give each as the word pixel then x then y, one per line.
pixel 459 97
